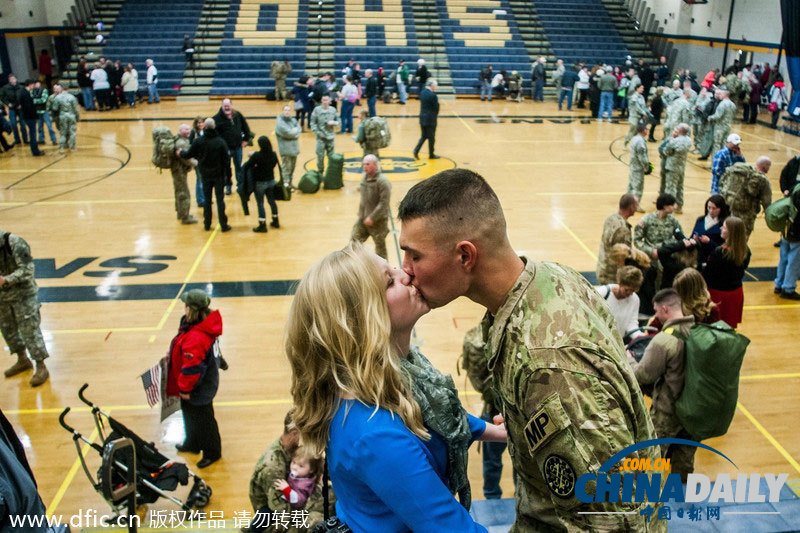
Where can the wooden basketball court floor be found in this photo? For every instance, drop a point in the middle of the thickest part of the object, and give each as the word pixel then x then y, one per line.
pixel 92 215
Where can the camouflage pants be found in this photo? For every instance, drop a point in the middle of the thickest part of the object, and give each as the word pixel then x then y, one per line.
pixel 323 145
pixel 632 130
pixel 182 198
pixel 378 231
pixel 673 184
pixel 749 219
pixel 636 184
pixel 368 149
pixel 287 167
pixel 19 323
pixel 721 132
pixel 280 89
pixel 681 457
pixel 67 128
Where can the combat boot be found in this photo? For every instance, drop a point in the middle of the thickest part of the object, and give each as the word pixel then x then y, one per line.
pixel 262 226
pixel 275 223
pixel 40 375
pixel 22 364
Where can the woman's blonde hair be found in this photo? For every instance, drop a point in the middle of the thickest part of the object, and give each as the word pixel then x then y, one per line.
pixel 338 342
pixel 736 244
pixel 693 291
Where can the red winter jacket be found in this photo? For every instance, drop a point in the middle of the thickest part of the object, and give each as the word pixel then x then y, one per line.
pixel 192 367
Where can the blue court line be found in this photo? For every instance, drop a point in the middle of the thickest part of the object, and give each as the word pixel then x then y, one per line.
pixel 227 289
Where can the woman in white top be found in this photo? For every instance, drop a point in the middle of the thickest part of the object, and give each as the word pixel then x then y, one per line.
pixel 583 86
pixel 130 84
pixel 100 86
pixel 348 96
pixel 622 299
pixel 777 99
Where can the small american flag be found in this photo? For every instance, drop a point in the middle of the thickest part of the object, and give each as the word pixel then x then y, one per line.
pixel 151 381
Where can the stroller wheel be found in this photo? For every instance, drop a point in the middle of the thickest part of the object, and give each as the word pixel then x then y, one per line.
pixel 199 496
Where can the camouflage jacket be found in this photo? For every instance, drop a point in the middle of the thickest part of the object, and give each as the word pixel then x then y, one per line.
pixel 569 398
pixel 179 163
pixel 745 189
pixel 637 109
pixel 724 113
pixel 16 266
pixel 678 111
pixel 473 361
pixel 274 465
pixel 279 70
pixel 670 95
pixel 652 232
pixel 60 106
pixel 676 150
pixel 616 230
pixel 319 122
pixel 639 158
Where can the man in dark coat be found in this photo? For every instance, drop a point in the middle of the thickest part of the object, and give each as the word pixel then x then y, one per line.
pixel 214 163
pixel 30 116
pixel 233 129
pixel 428 113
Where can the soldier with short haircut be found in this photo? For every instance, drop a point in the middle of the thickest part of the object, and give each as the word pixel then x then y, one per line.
pixel 373 209
pixel 675 150
pixel 274 464
pixel 324 120
pixel 19 309
pixel 663 365
pixel 278 71
pixel 64 109
pixel 616 230
pixel 287 130
pixel 637 111
pixel 721 119
pixel 556 361
pixel 639 163
pixel 746 190
pixel 680 110
pixel 179 167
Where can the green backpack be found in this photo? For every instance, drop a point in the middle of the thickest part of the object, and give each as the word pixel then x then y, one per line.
pixel 163 147
pixel 782 212
pixel 714 354
pixel 376 130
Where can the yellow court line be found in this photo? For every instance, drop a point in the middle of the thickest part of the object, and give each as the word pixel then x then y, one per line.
pixel 769 437
pixel 577 239
pixel 769 140
pixel 70 476
pixel 770 376
pixel 188 277
pixel 463 122
pixel 99 330
pixel 61 170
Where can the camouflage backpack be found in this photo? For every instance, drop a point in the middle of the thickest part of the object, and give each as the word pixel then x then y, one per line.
pixel 376 130
pixel 163 147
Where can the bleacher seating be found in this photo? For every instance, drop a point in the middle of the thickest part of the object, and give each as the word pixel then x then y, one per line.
pixel 477 32
pixel 255 35
pixel 581 30
pixel 137 35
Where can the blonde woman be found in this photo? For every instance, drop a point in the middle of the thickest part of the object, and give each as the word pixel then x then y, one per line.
pixel 349 331
pixel 695 299
pixel 725 269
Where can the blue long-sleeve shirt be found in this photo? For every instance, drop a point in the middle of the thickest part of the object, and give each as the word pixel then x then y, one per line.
pixel 722 160
pixel 387 479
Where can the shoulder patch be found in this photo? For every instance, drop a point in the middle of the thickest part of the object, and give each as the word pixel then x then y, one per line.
pixel 559 476
pixel 538 429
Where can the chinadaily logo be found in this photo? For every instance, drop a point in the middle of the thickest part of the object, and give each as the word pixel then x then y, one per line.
pixel 646 480
pixel 396 166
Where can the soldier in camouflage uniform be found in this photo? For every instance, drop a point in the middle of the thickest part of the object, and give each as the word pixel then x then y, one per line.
pixel 639 163
pixel 64 109
pixel 274 465
pixel 324 120
pixel 19 309
pixel 680 110
pixel 746 190
pixel 700 120
pixel 556 360
pixel 637 111
pixel 287 131
pixel 721 120
pixel 672 94
pixel 361 135
pixel 616 230
pixel 675 151
pixel 179 167
pixel 279 70
pixel 373 209
pixel 656 229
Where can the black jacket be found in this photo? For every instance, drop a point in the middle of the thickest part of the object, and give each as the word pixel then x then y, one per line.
pixel 422 74
pixel 27 106
pixel 233 130
pixel 262 163
pixel 428 107
pixel 372 88
pixel 211 153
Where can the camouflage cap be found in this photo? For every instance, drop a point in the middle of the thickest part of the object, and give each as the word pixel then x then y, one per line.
pixel 196 299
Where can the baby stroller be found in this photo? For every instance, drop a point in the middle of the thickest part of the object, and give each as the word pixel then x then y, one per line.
pixel 133 471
